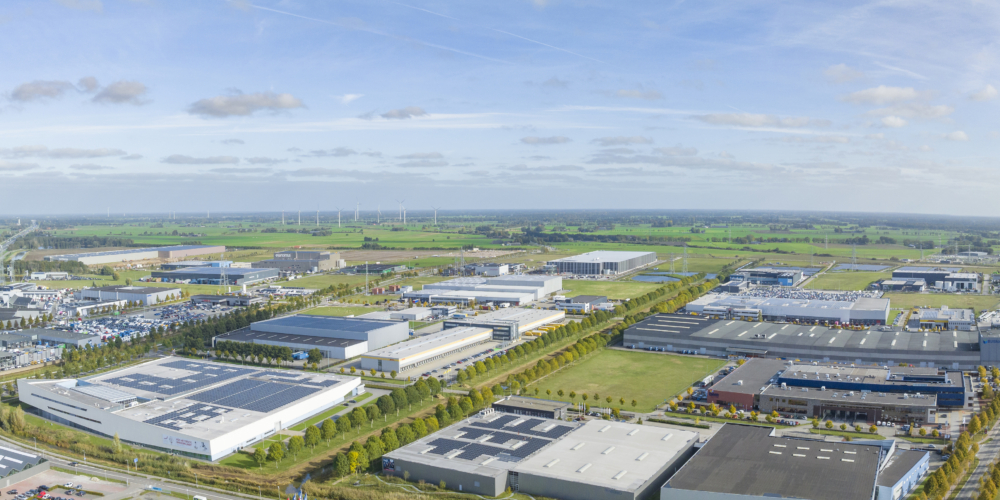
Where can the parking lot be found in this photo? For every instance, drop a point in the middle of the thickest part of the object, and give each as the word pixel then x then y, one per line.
pixel 63 486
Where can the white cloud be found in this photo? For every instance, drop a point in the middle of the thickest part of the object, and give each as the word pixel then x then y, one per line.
pixel 335 152
pixel 40 89
pixel 842 73
pixel 16 166
pixel 131 157
pixel 677 151
pixel 914 110
pixel 760 120
pixel 89 166
pixel 58 153
pixel 819 139
pixel 883 95
pixel 404 113
pixel 553 168
pixel 893 122
pixel 348 98
pixel 88 84
pixel 957 135
pixel 240 104
pixel 543 141
pixel 189 160
pixel 233 141
pixel 926 148
pixel 423 164
pixel 240 170
pixel 987 94
pixel 422 156
pixel 263 160
pixel 122 92
pixel 621 140
pixel 646 95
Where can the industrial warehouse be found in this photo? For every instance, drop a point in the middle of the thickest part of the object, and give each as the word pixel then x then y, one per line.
pixel 509 324
pixel 146 295
pixel 424 349
pixel 513 289
pixel 134 254
pixel 769 276
pixel 851 394
pixel 301 262
pixel 947 278
pixel 217 275
pixel 750 462
pixel 863 311
pixel 335 337
pixel 597 459
pixel 197 409
pixel 603 262
pixel 679 332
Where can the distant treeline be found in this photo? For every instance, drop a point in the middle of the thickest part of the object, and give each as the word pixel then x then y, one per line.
pixel 48 241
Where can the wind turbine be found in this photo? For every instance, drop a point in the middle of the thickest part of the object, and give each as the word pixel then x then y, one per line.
pixel 357 208
pixel 436 215
pixel 338 216
pixel 300 217
pixel 282 217
pixel 400 208
pixel 404 216
pixel 378 217
pixel 317 218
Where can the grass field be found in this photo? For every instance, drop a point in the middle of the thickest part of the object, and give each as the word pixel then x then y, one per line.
pixel 846 281
pixel 328 413
pixel 341 311
pixel 610 289
pixel 908 300
pixel 646 377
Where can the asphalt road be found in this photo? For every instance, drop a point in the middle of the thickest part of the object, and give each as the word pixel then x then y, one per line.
pixel 988 452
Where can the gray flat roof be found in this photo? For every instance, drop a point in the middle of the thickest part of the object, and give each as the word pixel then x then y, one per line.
pixel 745 460
pixel 246 335
pixel 531 403
pixel 807 341
pixel 842 396
pixel 132 289
pixel 899 464
pixel 603 256
pixel 213 271
pixel 327 323
pixel 60 334
pixel 755 374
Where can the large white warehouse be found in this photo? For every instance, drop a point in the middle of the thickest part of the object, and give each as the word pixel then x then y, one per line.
pixel 412 353
pixel 198 409
pixel 516 289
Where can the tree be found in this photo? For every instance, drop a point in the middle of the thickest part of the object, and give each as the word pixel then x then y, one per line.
pixel 312 436
pixel 935 433
pixel 572 395
pixel 342 465
pixel 393 374
pixel 329 429
pixel 116 444
pixel 295 445
pixel 634 403
pixel 259 455
pixel 276 452
pixel 815 423
pixel 828 425
pixel 560 392
pixel 315 355
pixel 352 458
pixel 873 429
pixel 344 424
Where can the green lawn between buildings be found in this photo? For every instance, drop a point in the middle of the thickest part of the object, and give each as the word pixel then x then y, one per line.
pixel 907 300
pixel 846 280
pixel 649 378
pixel 609 289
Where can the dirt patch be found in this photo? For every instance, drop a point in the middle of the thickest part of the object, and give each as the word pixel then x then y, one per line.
pixel 387 256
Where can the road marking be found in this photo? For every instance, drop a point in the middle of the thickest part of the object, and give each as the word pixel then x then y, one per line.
pixel 742 334
pixel 831 340
pixel 813 328
pixel 893 342
pixel 773 335
pixel 786 326
pixel 956 344
pixel 800 334
pixel 954 334
pixel 713 331
pixel 758 324
pixel 863 341
pixel 925 334
pixel 812 334
pixel 731 322
pixel 925 343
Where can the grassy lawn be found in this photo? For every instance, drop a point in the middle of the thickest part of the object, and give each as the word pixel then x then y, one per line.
pixel 846 280
pixel 908 300
pixel 610 289
pixel 648 378
pixel 723 420
pixel 341 311
pixel 850 434
pixel 328 413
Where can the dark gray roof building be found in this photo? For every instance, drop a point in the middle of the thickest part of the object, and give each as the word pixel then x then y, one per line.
pixel 747 461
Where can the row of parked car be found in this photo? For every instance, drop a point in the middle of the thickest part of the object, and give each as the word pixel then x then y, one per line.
pixel 43 492
pixel 664 349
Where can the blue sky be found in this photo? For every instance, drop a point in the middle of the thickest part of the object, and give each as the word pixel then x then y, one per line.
pixel 149 106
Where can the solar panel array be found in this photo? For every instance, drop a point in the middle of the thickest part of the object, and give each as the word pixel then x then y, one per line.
pixel 202 374
pixel 189 415
pixel 500 432
pixel 255 395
